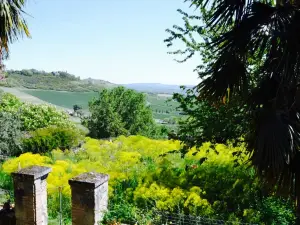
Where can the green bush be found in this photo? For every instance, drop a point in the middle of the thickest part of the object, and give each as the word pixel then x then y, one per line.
pixel 277 211
pixel 46 139
pixel 10 134
pixel 9 103
pixel 39 116
pixel 34 116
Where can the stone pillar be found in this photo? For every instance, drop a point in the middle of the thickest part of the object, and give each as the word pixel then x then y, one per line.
pixel 89 198
pixel 30 190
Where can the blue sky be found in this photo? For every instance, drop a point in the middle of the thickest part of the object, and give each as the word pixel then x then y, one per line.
pixel 116 40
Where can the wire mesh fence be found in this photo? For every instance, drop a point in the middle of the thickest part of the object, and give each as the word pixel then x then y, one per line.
pixel 166 218
pixel 59 212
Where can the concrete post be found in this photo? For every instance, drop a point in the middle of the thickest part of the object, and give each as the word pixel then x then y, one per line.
pixel 89 198
pixel 30 190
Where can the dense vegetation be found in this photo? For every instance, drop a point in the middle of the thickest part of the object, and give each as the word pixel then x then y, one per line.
pixel 203 122
pixel 250 52
pixel 208 181
pixel 59 81
pixel 21 123
pixel 211 180
pixel 250 79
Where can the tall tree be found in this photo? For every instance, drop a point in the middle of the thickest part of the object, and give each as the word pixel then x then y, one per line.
pixel 12 25
pixel 260 41
pixel 120 111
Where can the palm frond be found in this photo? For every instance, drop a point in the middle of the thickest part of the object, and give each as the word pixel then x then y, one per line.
pixel 12 22
pixel 228 71
pixel 274 142
pixel 271 34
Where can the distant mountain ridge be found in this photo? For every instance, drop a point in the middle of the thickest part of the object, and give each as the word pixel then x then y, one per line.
pixel 156 87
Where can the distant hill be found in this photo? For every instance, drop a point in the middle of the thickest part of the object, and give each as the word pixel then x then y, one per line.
pixel 64 81
pixel 97 82
pixel 58 81
pixel 156 87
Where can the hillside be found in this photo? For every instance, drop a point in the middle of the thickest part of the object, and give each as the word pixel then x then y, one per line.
pixel 65 90
pixel 156 87
pixel 59 81
pixel 64 81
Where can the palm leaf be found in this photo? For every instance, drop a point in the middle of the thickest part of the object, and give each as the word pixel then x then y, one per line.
pixel 228 71
pixel 274 142
pixel 270 34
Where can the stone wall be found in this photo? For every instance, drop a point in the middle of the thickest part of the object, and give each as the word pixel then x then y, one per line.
pixel 89 198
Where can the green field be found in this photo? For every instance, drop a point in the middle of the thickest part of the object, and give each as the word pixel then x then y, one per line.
pixel 161 109
pixel 63 98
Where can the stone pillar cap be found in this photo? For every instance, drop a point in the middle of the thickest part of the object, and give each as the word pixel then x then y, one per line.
pixel 33 172
pixel 90 179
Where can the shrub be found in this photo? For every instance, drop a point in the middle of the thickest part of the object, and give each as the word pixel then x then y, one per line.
pixel 277 211
pixel 10 134
pixel 39 116
pixel 44 140
pixel 34 116
pixel 9 103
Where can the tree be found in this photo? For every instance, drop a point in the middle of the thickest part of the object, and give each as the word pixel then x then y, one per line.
pixel 12 25
pixel 254 50
pixel 76 107
pixel 204 122
pixel 120 111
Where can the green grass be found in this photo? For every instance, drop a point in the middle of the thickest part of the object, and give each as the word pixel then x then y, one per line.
pixel 64 99
pixel 161 109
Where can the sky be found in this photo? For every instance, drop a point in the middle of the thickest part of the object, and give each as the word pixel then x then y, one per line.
pixel 120 41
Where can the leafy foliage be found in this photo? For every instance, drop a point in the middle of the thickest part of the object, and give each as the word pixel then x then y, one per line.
pixel 39 116
pixel 34 116
pixel 9 103
pixel 120 111
pixel 10 134
pixel 150 174
pixel 203 122
pixel 44 140
pixel 12 25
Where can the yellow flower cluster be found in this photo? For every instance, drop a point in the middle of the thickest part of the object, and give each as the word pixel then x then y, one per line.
pixel 25 160
pixel 167 183
pixel 120 159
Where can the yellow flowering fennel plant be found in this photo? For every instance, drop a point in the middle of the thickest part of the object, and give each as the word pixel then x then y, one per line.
pixel 120 159
pixel 207 181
